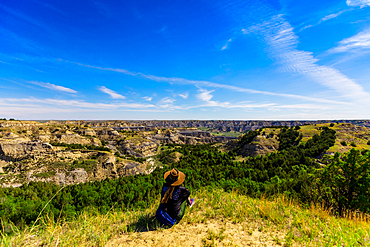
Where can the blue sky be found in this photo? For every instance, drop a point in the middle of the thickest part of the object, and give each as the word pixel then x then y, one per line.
pixel 243 60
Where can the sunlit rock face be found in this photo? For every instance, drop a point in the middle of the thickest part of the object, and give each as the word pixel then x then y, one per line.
pixel 34 151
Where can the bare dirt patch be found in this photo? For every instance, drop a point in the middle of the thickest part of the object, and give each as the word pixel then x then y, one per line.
pixel 213 233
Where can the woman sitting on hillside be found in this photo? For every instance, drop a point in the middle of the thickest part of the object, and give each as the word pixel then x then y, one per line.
pixel 174 198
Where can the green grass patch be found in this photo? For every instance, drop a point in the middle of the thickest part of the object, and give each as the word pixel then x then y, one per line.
pixel 87 165
pixel 231 133
pixel 59 164
pixel 80 146
pixel 302 226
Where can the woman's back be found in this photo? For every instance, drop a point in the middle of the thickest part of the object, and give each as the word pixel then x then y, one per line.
pixel 173 204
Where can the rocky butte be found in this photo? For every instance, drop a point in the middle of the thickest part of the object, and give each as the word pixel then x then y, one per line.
pixel 68 152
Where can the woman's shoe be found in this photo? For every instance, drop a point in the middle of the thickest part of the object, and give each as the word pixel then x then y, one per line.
pixel 192 202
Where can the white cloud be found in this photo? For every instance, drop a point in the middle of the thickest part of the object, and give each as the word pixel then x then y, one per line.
pixel 360 3
pixel 205 95
pixel 29 108
pixel 112 93
pixel 69 103
pixel 357 42
pixel 325 18
pixel 303 106
pixel 227 43
pixel 184 96
pixel 167 103
pixel 148 98
pixel 331 16
pixel 167 100
pixel 305 27
pixel 282 46
pixel 210 84
pixel 53 86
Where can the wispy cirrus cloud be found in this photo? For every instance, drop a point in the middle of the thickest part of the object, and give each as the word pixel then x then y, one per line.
pixel 43 84
pixel 226 45
pixel 360 41
pixel 326 18
pixel 148 98
pixel 282 47
pixel 26 18
pixel 206 97
pixel 209 84
pixel 50 7
pixel 168 103
pixel 184 95
pixel 111 93
pixel 20 41
pixel 52 86
pixel 36 102
pixel 332 16
pixel 358 3
pixel 36 108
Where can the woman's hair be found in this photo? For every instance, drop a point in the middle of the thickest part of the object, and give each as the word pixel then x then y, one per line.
pixel 168 194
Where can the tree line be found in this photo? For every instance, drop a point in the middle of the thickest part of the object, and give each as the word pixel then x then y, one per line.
pixel 340 183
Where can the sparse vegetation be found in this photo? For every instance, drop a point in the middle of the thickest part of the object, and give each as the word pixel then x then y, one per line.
pixel 80 146
pixel 295 225
pixel 87 165
pixel 287 191
pixel 45 174
pixel 343 184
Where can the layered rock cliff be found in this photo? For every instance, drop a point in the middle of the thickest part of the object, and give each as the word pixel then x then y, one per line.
pixel 66 152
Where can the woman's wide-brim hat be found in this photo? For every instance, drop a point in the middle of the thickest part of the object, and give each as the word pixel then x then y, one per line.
pixel 174 177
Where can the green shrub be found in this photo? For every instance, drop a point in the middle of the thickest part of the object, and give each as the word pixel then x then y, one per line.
pixel 59 164
pixel 87 165
pixel 45 174
pixel 288 138
pixel 343 184
pixel 353 144
pixel 246 139
pixel 343 143
pixel 80 146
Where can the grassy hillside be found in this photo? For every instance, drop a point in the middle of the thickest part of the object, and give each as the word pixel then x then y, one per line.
pixel 348 136
pixel 218 219
pixel 238 202
pixel 352 136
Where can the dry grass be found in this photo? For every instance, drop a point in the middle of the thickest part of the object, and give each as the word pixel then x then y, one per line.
pixel 212 221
